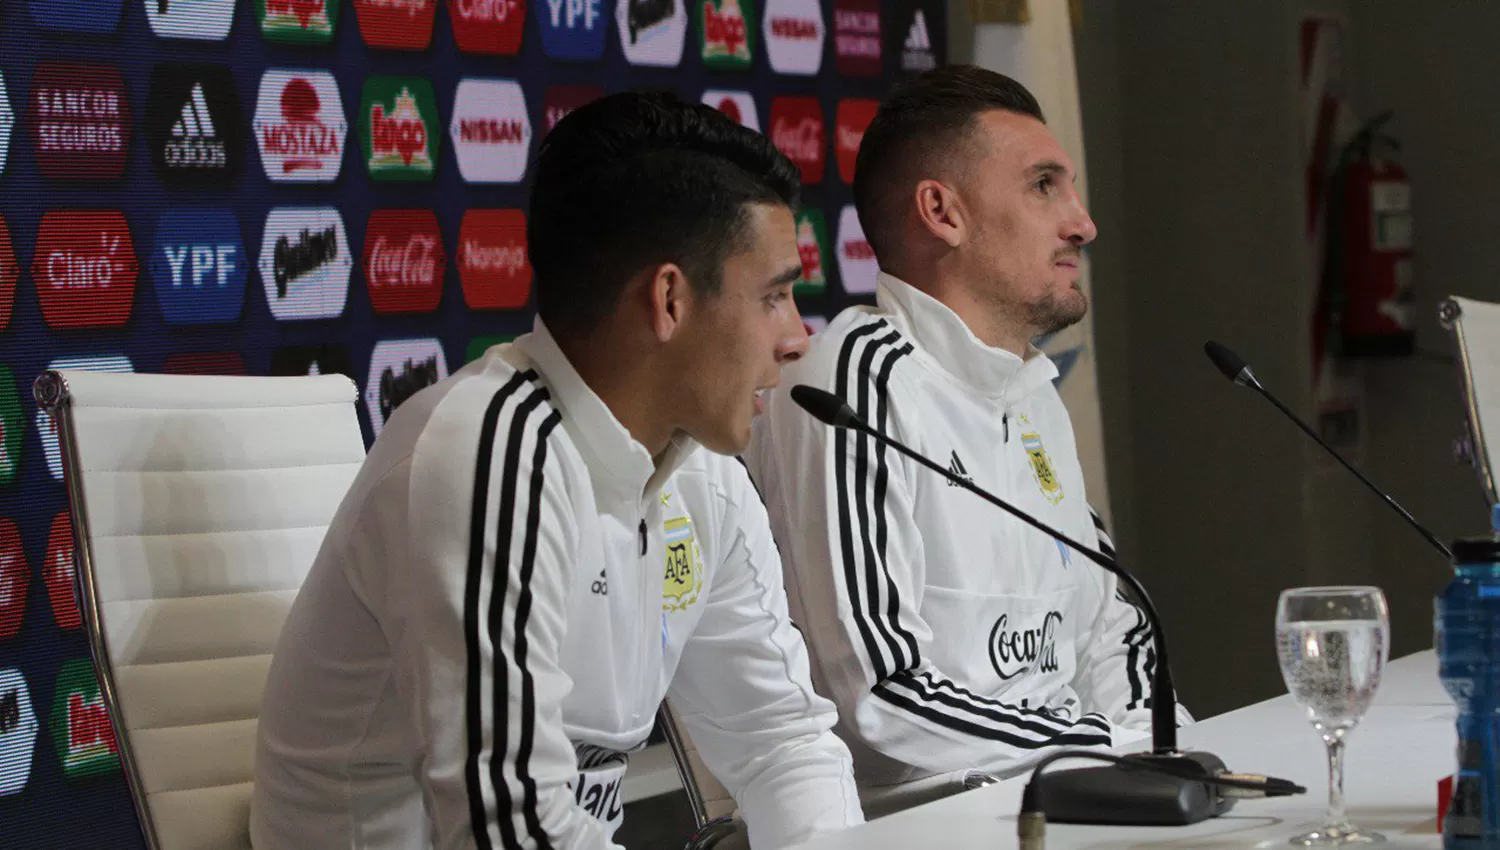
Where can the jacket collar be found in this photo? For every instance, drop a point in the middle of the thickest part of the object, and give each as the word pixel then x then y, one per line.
pixel 620 467
pixel 948 344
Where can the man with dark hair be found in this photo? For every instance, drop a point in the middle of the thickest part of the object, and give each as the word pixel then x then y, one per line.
pixel 950 635
pixel 537 551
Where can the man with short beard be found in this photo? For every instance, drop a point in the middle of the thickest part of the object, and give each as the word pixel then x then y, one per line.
pixel 951 635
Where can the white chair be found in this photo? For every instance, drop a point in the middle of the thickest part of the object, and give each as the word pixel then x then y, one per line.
pixel 198 505
pixel 1475 328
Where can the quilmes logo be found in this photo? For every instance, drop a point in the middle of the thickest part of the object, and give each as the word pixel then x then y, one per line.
pixel 297 21
pixel 727 28
pixel 18 728
pixel 7 122
pixel 399 368
pixel 80 723
pixel 574 29
pixel 80 120
pixel 491 130
pixel 492 263
pixel 793 30
pixel 396 24
pixel 404 261
pixel 300 126
pixel 911 39
pixel 91 17
pixel 738 105
pixel 856 37
pixel 652 32
pixel 560 100
pixel 204 20
pixel 812 247
pixel 84 267
pixel 10 270
pixel 329 358
pixel 853 117
pixel 305 262
pixel 14 576
pixel 57 573
pixel 12 425
pixel 398 128
pixel 857 265
pixel 44 426
pixel 1016 649
pixel 204 363
pixel 797 131
pixel 488 26
pixel 199 266
pixel 194 124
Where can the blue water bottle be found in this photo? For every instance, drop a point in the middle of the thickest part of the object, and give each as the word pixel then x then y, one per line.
pixel 1467 620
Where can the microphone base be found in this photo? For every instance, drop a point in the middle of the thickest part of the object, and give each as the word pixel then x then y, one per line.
pixel 1119 795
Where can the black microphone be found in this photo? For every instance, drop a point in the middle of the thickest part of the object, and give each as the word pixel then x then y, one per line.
pixel 1117 794
pixel 1238 371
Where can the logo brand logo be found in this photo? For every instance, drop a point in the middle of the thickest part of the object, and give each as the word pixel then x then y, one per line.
pixel 10 271
pixel 57 573
pixel 488 26
pixel 652 32
pixel 492 263
pixel 199 266
pixel 854 115
pixel 44 427
pixel 793 30
pixel 18 728
pixel 85 269
pixel 14 576
pixel 300 127
pixel 297 21
pixel 80 120
pixel 404 261
pixel 857 265
pixel 574 29
pixel 398 128
pixel 728 29
pixel 205 20
pixel 739 105
pixel 560 100
pixel 399 368
pixel 305 263
pixel 812 247
pixel 491 131
pixel 80 723
pixel 797 131
pixel 194 124
pixel 918 47
pixel 396 24
pixel 856 37
pixel 1014 651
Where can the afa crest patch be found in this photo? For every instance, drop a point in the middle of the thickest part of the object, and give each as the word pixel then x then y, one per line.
pixel 684 574
pixel 1041 467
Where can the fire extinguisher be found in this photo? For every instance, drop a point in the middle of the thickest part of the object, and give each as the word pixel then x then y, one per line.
pixel 1367 272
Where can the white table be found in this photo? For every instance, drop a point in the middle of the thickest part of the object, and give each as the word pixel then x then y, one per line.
pixel 1392 766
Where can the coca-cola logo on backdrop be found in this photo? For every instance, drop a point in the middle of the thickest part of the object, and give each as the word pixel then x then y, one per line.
pixel 797 131
pixel 404 261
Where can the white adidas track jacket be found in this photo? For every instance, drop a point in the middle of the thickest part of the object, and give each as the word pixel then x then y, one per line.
pixel 950 635
pixel 500 605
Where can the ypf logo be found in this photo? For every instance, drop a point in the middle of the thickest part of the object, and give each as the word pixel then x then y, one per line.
pixel 738 105
pixel 560 100
pixel 300 126
pixel 491 130
pixel 89 17
pixel 574 29
pixel 856 37
pixel 80 723
pixel 14 576
pixel 194 125
pixel 793 30
pixel 329 358
pixel 7 122
pixel 492 264
pixel 84 267
pixel 199 266
pixel 399 369
pixel 44 426
pixel 396 24
pixel 797 131
pixel 853 117
pixel 652 32
pixel 12 427
pixel 80 120
pixel 488 26
pixel 297 21
pixel 911 39
pixel 727 29
pixel 18 727
pixel 10 271
pixel 404 261
pixel 203 20
pixel 812 248
pixel 858 267
pixel 305 263
pixel 398 128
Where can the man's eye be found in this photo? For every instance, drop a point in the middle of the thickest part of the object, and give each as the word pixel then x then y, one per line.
pixel 1045 185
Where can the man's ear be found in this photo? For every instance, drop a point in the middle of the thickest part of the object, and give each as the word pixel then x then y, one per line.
pixel 670 300
pixel 942 212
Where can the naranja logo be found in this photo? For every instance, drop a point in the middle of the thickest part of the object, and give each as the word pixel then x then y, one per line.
pixel 85 269
pixel 853 117
pixel 300 126
pixel 492 264
pixel 398 128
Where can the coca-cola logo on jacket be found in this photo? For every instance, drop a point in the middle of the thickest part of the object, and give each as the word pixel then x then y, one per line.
pixel 404 261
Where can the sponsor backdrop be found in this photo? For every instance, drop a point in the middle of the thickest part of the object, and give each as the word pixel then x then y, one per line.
pixel 294 186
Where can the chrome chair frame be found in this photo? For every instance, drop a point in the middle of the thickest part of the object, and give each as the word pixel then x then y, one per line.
pixel 1476 450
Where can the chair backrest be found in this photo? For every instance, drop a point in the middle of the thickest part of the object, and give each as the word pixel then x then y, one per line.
pixel 708 799
pixel 1475 327
pixel 198 505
